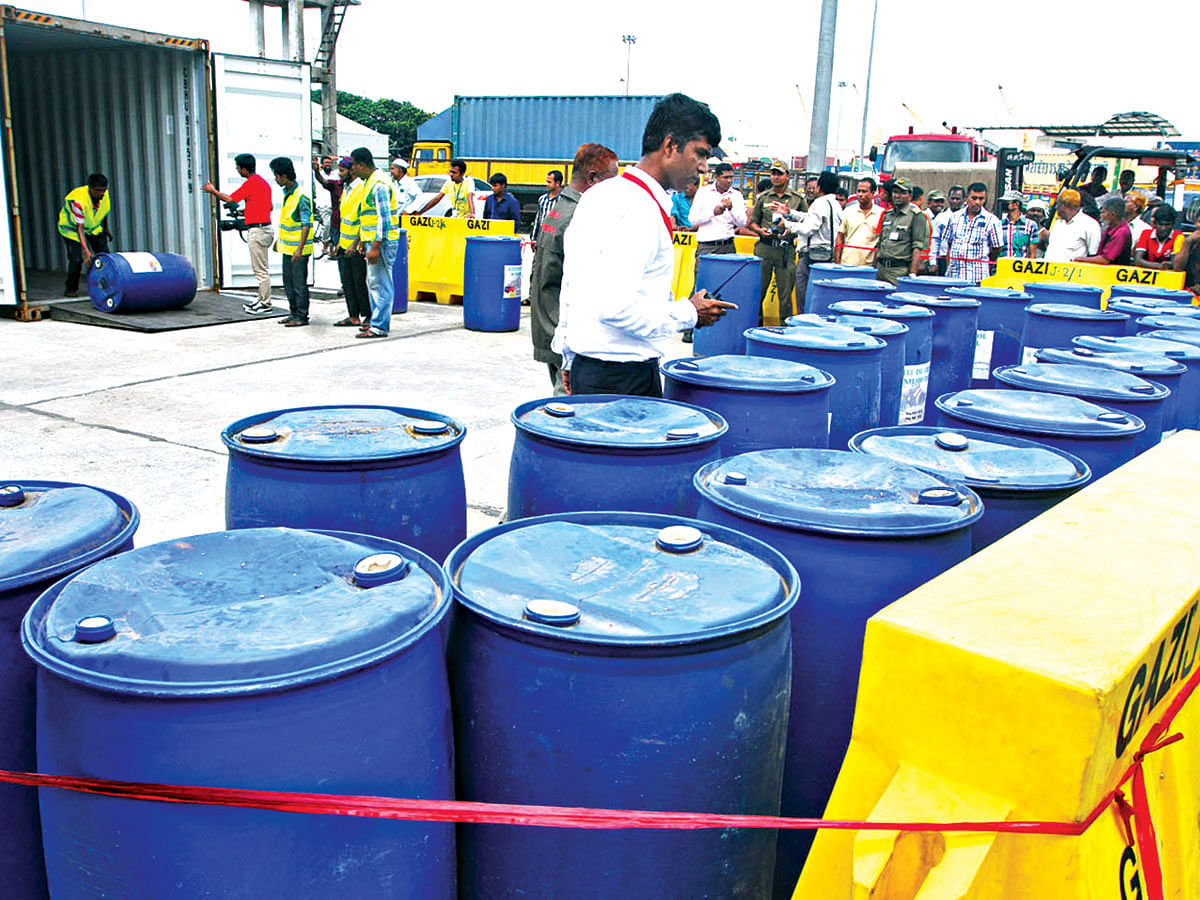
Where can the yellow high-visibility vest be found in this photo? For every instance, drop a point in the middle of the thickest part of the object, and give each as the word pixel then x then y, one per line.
pixel 290 227
pixel 368 216
pixel 348 210
pixel 93 216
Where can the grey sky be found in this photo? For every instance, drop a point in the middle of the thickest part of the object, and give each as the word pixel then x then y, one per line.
pixel 944 58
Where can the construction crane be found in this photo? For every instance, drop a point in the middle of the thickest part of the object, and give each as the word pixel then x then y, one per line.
pixel 1004 99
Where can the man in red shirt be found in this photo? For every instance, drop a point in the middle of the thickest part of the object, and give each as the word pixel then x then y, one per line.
pixel 1157 246
pixel 255 193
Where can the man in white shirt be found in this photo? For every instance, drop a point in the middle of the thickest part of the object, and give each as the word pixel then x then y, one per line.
pixel 718 211
pixel 619 261
pixel 956 197
pixel 1073 233
pixel 403 185
pixel 816 229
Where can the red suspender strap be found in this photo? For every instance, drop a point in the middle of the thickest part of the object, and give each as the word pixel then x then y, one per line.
pixel 666 219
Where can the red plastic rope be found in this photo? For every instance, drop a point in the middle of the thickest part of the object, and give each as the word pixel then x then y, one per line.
pixel 1141 830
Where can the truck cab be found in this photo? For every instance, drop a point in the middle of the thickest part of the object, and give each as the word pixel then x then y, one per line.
pixel 930 148
pixel 431 158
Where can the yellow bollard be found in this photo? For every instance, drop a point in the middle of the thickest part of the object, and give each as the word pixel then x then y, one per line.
pixel 1018 686
pixel 437 247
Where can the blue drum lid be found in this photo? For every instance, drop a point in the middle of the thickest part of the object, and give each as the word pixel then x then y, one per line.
pixel 1171 349
pixel 1065 287
pixel 864 324
pixel 1188 336
pixel 1040 413
pixel 1072 311
pixel 1151 294
pixel 906 299
pixel 331 434
pixel 48 528
pixel 858 285
pixel 831 338
pixel 941 302
pixel 629 579
pixel 891 308
pixel 235 612
pixel 837 492
pixel 979 292
pixel 976 458
pixel 749 373
pixel 1145 306
pixel 1101 385
pixel 1146 365
pixel 1172 322
pixel 629 423
pixel 939 281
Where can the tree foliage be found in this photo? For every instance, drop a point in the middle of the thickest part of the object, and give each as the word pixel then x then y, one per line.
pixel 398 119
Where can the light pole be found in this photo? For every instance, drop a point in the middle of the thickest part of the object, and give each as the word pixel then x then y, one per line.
pixel 862 140
pixel 629 40
pixel 837 133
pixel 818 137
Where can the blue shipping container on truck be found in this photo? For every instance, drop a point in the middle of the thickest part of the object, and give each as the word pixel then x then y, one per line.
pixel 1116 390
pixel 1159 369
pixel 894 335
pixel 492 283
pixel 765 402
pixel 1102 437
pixel 264 659
pixel 1016 479
pixel 955 323
pixel 821 293
pixel 140 282
pixel 918 347
pixel 998 334
pixel 48 530
pixel 380 470
pixel 1058 324
pixel 1180 351
pixel 604 451
pixel 735 278
pixel 620 660
pixel 854 360
pixel 861 532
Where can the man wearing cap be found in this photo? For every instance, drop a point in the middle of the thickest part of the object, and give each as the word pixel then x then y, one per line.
pixel 1018 235
pixel 776 246
pixel 404 186
pixel 903 235
pixel 718 211
pixel 956 196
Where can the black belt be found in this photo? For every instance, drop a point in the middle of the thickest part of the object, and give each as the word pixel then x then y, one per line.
pixel 893 263
pixel 258 224
pixel 777 242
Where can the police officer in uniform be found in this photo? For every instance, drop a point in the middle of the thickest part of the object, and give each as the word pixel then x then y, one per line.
pixel 776 246
pixel 903 235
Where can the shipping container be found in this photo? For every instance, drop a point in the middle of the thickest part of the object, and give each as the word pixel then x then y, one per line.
pixel 159 115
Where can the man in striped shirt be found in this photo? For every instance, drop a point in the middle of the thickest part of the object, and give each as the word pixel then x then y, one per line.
pixel 1020 234
pixel 972 238
pixel 554 186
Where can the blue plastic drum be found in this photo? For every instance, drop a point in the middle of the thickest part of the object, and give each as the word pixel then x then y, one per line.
pixel 918 346
pixel 48 529
pixel 1176 349
pixel 736 278
pixel 930 285
pixel 400 275
pixel 766 402
pixel 1149 294
pixel 1102 437
pixel 1137 308
pixel 1169 322
pixel 1058 324
pixel 861 532
pixel 1116 390
pixel 955 322
pixel 1065 292
pixel 829 271
pixel 379 470
pixel 264 659
pixel 492 283
pixel 604 451
pixel 894 334
pixel 1016 479
pixel 620 660
pixel 1158 369
pixel 854 360
pixel 998 338
pixel 820 294
pixel 140 282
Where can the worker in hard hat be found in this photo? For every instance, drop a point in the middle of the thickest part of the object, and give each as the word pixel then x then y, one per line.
pixel 83 224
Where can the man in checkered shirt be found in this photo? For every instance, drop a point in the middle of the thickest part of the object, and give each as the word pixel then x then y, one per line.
pixel 972 238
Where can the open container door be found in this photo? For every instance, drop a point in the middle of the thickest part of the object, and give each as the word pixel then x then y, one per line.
pixel 10 292
pixel 262 107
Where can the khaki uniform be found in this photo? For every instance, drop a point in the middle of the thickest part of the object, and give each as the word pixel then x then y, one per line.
pixel 778 255
pixel 901 233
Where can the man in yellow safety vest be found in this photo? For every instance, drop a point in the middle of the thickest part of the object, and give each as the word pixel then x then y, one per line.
pixel 352 267
pixel 83 225
pixel 378 238
pixel 295 240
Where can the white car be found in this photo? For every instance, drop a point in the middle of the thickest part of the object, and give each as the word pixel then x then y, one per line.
pixel 431 186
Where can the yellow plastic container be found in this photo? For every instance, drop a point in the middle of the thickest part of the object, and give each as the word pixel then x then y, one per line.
pixel 1018 686
pixel 685 271
pixel 437 247
pixel 1013 273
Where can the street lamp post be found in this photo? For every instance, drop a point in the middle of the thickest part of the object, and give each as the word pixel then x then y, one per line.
pixel 629 40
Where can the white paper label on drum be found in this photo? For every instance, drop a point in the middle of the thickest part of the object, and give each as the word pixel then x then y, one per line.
pixel 141 263
pixel 912 393
pixel 1029 355
pixel 512 282
pixel 1168 433
pixel 983 355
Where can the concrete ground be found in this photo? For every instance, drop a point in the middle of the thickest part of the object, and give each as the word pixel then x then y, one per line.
pixel 142 414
